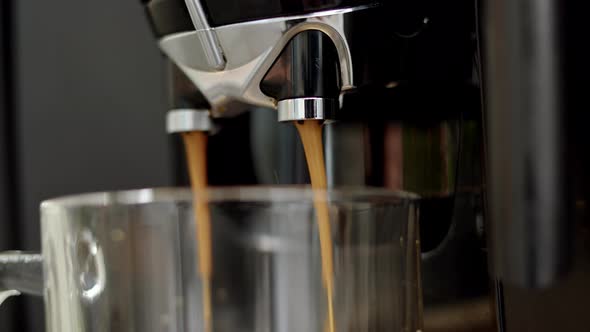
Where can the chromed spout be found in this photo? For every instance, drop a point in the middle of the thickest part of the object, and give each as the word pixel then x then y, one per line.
pixel 298 109
pixel 187 120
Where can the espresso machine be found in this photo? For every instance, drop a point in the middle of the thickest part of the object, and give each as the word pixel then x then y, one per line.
pixel 461 102
pixel 472 105
pixel 398 86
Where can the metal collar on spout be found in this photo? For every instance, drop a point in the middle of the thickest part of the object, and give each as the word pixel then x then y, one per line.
pixel 187 120
pixel 298 109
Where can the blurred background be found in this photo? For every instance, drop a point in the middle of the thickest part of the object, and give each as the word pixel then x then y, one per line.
pixel 82 106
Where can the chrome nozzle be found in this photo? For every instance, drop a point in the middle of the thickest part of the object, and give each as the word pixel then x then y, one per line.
pixel 187 120
pixel 298 109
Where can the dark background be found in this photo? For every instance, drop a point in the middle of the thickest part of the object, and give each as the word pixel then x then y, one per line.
pixel 82 105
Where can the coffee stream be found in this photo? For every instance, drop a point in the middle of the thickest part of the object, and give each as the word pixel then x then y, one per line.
pixel 195 144
pixel 196 155
pixel 311 136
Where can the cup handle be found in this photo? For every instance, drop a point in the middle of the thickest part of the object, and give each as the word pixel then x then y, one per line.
pixel 20 272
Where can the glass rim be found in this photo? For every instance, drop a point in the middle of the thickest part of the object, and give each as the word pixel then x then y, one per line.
pixel 251 194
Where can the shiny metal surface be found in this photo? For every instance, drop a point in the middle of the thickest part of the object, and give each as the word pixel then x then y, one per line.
pixel 186 120
pixel 126 261
pixel 530 216
pixel 207 36
pixel 307 109
pixel 250 50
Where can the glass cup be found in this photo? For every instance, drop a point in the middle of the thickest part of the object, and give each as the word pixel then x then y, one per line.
pixel 128 261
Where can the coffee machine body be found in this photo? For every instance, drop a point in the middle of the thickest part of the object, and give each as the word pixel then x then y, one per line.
pixel 276 53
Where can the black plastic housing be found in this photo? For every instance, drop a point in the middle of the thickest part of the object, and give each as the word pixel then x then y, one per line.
pixel 235 11
pixel 168 16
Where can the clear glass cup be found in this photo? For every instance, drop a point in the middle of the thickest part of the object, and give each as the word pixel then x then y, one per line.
pixel 127 261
